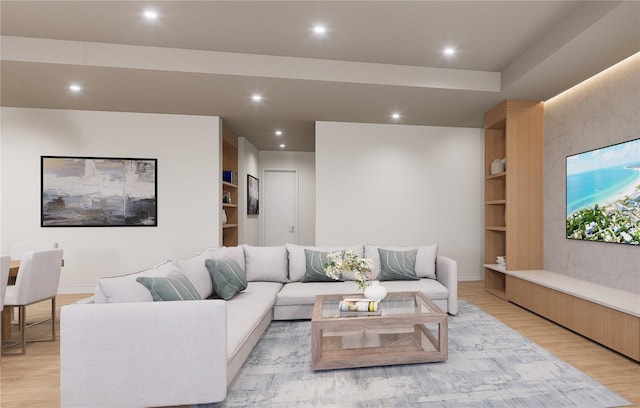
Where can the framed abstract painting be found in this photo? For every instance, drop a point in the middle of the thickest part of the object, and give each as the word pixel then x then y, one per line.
pixel 98 192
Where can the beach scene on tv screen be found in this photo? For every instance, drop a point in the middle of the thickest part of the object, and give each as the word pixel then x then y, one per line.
pixel 603 194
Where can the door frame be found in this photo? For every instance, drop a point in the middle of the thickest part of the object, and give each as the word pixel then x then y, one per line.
pixel 264 214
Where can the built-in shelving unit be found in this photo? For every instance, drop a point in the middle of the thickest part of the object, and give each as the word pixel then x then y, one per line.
pixel 230 163
pixel 513 198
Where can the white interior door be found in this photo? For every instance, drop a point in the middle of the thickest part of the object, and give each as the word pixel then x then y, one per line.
pixel 280 208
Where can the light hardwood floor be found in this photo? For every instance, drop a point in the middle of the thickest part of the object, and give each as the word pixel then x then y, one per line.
pixel 32 380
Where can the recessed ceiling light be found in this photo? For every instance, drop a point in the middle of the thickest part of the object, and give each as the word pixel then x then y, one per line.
pixel 150 15
pixel 282 146
pixel 395 116
pixel 278 132
pixel 75 88
pixel 256 97
pixel 449 51
pixel 319 29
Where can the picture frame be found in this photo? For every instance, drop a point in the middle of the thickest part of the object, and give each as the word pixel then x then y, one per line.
pixel 253 195
pixel 98 192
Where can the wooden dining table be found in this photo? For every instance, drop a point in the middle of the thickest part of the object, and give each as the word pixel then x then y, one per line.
pixel 14 267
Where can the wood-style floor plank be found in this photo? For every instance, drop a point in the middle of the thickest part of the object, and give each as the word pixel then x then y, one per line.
pixel 33 380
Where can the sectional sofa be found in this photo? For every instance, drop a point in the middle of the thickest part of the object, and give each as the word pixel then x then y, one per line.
pixel 123 349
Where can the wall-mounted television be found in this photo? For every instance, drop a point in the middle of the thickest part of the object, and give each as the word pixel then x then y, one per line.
pixel 603 194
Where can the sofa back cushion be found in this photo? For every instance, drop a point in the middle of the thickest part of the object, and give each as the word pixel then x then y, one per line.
pixel 425 258
pixel 266 264
pixel 298 259
pixel 125 288
pixel 195 269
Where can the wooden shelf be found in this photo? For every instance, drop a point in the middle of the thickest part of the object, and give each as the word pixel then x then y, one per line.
pixel 501 229
pixel 513 205
pixel 497 175
pixel 229 231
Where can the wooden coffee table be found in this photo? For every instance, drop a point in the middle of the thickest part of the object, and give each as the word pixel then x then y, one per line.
pixel 410 329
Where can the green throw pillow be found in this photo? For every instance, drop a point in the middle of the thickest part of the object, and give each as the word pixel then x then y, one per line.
pixel 174 286
pixel 397 265
pixel 314 271
pixel 227 277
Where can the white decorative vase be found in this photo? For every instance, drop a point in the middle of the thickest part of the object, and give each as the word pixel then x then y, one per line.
pixel 223 217
pixel 375 291
pixel 497 166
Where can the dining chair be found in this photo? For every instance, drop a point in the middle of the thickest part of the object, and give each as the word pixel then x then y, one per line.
pixel 37 281
pixel 20 248
pixel 5 261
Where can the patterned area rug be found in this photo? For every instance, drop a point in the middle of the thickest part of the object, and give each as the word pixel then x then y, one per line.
pixel 490 365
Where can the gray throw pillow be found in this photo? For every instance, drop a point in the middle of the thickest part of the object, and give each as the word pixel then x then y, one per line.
pixel 227 277
pixel 397 265
pixel 314 271
pixel 174 286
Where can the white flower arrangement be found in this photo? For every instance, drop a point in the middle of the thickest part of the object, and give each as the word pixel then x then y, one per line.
pixel 346 261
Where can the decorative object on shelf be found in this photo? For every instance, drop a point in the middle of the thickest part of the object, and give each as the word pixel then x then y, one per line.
pixel 501 260
pixel 226 197
pixel 253 195
pixel 98 192
pixel 223 217
pixel 375 291
pixel 497 166
pixel 348 261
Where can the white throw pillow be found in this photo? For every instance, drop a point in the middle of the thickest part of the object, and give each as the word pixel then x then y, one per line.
pixel 266 264
pixel 125 288
pixel 425 258
pixel 234 252
pixel 298 260
pixel 194 269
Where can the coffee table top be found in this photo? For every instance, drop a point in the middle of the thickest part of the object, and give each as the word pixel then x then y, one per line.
pixel 394 304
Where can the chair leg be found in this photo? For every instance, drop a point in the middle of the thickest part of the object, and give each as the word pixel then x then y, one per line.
pixel 53 318
pixel 23 328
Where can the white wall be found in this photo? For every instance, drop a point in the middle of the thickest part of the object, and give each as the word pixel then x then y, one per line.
pixel 602 111
pixel 402 185
pixel 188 186
pixel 248 225
pixel 304 163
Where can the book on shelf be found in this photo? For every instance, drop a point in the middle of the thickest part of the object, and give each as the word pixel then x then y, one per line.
pixel 230 176
pixel 350 305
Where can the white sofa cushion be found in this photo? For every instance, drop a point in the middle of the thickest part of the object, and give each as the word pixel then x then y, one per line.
pixel 246 310
pixel 125 288
pixel 197 272
pixel 235 252
pixel 298 260
pixel 266 264
pixel 299 293
pixel 425 258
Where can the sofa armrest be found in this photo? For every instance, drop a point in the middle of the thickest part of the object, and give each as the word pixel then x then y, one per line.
pixel 447 274
pixel 143 354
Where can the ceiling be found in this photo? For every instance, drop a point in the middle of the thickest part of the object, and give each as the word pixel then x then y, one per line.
pixel 209 57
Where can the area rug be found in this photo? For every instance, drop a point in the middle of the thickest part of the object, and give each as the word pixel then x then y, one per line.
pixel 490 365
